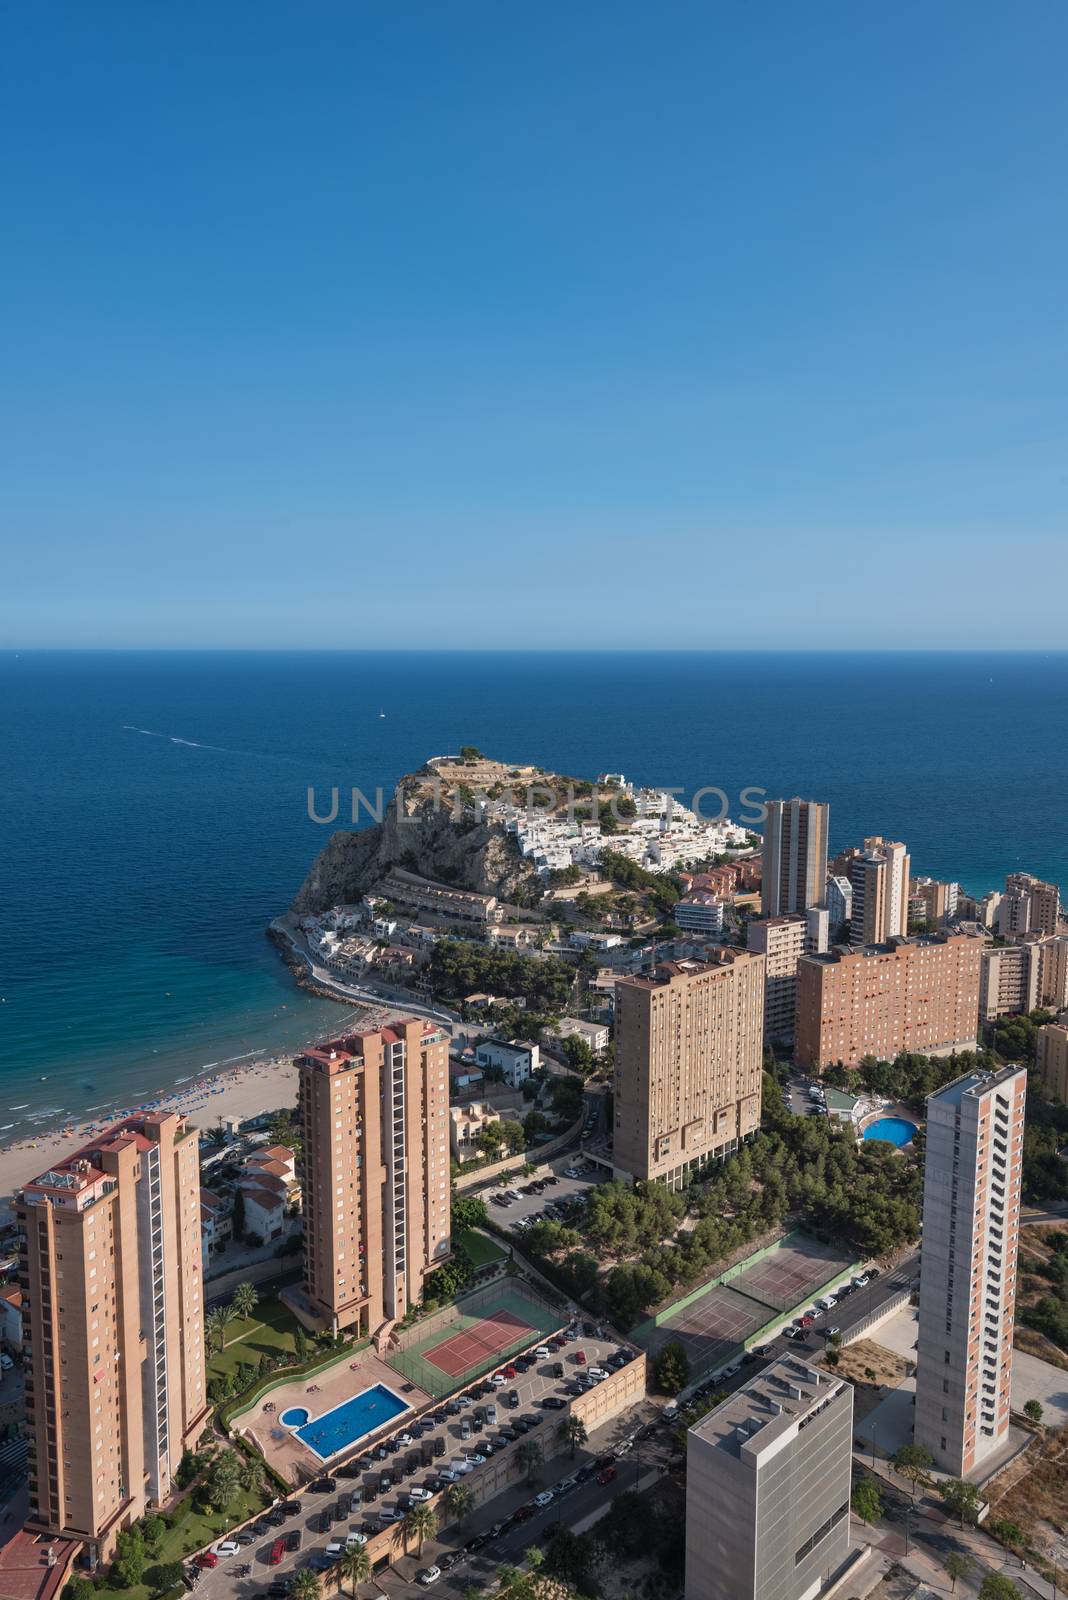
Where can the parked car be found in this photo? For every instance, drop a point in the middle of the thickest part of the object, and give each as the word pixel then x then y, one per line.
pixel 552 1402
pixel 276 1552
pixel 206 1558
pixel 545 1498
pixel 293 1539
pixel 606 1474
pixel 491 1416
pixel 513 1398
pixel 580 1358
pixel 428 1576
pixel 323 1486
pixel 227 1547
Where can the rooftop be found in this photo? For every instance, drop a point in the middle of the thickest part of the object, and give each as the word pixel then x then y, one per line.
pixel 975 1084
pixel 778 1401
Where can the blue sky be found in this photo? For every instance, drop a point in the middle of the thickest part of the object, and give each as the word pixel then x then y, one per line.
pixel 365 322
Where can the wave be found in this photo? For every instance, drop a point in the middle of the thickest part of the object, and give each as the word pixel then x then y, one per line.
pixel 223 750
pixel 25 1106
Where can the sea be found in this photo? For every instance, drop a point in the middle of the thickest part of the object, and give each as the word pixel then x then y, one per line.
pixel 154 809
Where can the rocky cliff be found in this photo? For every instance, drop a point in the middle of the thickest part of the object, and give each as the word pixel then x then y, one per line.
pixel 422 833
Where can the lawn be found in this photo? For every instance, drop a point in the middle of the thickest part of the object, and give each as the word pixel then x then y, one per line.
pixel 271 1330
pixel 192 1530
pixel 480 1250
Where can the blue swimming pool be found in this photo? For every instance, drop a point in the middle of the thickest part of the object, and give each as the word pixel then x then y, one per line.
pixel 337 1429
pixel 894 1130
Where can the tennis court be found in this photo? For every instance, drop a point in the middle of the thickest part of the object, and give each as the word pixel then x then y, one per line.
pixel 792 1272
pixel 473 1336
pixel 714 1324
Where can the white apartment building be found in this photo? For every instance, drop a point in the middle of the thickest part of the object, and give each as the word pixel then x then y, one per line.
pixel 971 1221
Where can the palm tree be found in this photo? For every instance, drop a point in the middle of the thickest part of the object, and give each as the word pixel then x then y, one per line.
pixel 529 1456
pixel 419 1523
pixel 459 1501
pixel 355 1566
pixel 245 1300
pixel 306 1585
pixel 573 1432
pixel 254 1475
pixel 215 1330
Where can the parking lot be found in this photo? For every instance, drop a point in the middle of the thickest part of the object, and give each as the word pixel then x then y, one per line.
pixel 535 1196
pixel 319 1516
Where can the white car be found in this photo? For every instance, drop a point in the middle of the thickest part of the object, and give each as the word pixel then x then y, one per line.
pixel 544 1499
pixel 461 1400
pixel 228 1547
pixel 572 1172
pixel 596 1373
pixel 461 1464
pixel 498 1380
pixel 419 1494
pixel 388 1514
pixel 732 1371
pixel 428 1576
pixel 355 1540
pixel 5 1361
pixel 543 1352
pixel 335 1549
pixel 491 1416
pixel 826 1303
pixel 475 1458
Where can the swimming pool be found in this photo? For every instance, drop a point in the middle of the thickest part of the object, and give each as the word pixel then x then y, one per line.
pixel 894 1130
pixel 335 1430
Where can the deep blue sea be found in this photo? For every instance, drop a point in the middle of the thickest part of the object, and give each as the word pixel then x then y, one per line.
pixel 153 807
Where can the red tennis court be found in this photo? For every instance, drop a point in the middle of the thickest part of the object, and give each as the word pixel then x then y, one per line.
pixel 478 1343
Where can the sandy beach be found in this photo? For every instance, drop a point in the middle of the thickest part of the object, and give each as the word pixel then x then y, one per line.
pixel 243 1091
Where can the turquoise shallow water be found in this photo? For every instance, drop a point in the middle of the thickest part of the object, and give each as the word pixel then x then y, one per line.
pixel 153 808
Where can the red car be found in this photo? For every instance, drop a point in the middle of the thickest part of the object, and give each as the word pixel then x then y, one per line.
pixel 523 1514
pixel 278 1550
pixel 606 1475
pixel 510 1372
pixel 580 1357
pixel 207 1558
pixel 807 1320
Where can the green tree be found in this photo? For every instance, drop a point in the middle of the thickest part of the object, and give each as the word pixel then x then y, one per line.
pixel 914 1462
pixel 573 1432
pixel 253 1475
pixel 246 1299
pixel 957 1566
pixel 1033 1412
pixel 962 1498
pixel 470 753
pixel 166 1575
pixel 223 1482
pixel 238 1216
pixel 153 1527
pixel 459 1501
pixel 672 1370
pixel 421 1524
pixel 80 1589
pixel 215 1330
pixel 866 1501
pixel 530 1458
pixel 355 1567
pixel 130 1558
pixel 305 1585
pixel 995 1586
pixel 300 1344
pixel 467 1211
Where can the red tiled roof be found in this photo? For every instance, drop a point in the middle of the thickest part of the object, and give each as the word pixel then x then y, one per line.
pixel 25 1573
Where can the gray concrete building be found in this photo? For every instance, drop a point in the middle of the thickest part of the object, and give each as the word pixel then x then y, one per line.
pixel 767 1487
pixel 971 1223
